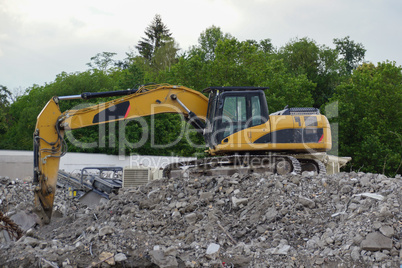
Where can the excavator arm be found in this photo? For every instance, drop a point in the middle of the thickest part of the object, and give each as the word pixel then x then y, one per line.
pixel 49 144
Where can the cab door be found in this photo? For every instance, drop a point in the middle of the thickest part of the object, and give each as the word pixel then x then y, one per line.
pixel 239 114
pixel 233 117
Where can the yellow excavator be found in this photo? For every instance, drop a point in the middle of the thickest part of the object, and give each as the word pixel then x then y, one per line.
pixel 239 132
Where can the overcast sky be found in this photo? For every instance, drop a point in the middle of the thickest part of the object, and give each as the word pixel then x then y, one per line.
pixel 42 38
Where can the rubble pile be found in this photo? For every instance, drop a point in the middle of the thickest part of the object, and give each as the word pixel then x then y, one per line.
pixel 255 220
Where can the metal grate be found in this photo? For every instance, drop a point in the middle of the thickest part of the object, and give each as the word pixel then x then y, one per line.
pixel 133 177
pixel 298 111
pixel 303 110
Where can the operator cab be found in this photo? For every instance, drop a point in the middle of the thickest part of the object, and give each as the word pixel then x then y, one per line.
pixel 232 109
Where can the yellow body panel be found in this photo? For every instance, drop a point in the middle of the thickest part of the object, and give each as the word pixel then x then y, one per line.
pixel 245 140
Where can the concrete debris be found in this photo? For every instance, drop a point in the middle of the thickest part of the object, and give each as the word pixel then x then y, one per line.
pixel 253 220
pixel 371 195
pixel 212 248
pixel 239 201
pixel 376 241
pixel 106 230
pixel 307 202
pixel 120 257
pixel 280 250
pixel 388 231
pixel 159 258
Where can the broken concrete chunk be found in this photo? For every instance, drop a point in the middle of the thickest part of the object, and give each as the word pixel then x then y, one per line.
pixel 176 214
pixel 235 176
pixel 372 195
pixel 376 241
pixel 120 257
pixel 170 251
pixel 307 202
pixel 106 230
pixel 279 250
pixel 212 248
pixel 386 230
pixel 377 225
pixel 206 196
pixel 355 254
pixel 191 218
pixel 158 257
pixel 25 220
pixel 271 214
pixel 239 201
pixel 379 256
pixel 33 242
pixel 346 189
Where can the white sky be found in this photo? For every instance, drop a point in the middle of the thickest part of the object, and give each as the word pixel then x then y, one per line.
pixel 42 38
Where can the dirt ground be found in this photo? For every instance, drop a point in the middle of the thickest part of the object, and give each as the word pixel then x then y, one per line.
pixel 256 220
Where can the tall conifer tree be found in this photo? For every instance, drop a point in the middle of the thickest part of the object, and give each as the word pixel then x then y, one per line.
pixel 157 34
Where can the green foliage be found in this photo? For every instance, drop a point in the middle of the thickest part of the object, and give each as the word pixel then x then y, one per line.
pixel 102 61
pixel 370 112
pixel 300 74
pixel 5 96
pixel 301 57
pixel 165 56
pixel 286 88
pixel 319 63
pixel 130 77
pixel 208 41
pixel 353 53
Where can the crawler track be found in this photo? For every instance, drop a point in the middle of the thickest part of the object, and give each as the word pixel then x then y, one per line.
pixel 312 165
pixel 228 165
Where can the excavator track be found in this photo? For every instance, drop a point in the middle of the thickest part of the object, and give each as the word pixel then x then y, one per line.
pixel 312 165
pixel 228 165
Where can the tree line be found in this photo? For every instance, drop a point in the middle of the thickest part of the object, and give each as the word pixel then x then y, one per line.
pixel 361 99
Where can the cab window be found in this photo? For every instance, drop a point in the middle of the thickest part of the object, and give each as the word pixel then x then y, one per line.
pixel 234 114
pixel 234 109
pixel 256 117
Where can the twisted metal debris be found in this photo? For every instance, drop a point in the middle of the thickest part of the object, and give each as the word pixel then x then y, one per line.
pixel 12 229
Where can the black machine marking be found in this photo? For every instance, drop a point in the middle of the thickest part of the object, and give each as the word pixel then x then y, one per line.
pixel 301 135
pixel 115 112
pixel 297 120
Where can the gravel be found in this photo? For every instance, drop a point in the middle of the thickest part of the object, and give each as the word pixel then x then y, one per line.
pixel 341 220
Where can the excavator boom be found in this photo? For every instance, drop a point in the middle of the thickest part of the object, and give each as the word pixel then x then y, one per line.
pixel 49 144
